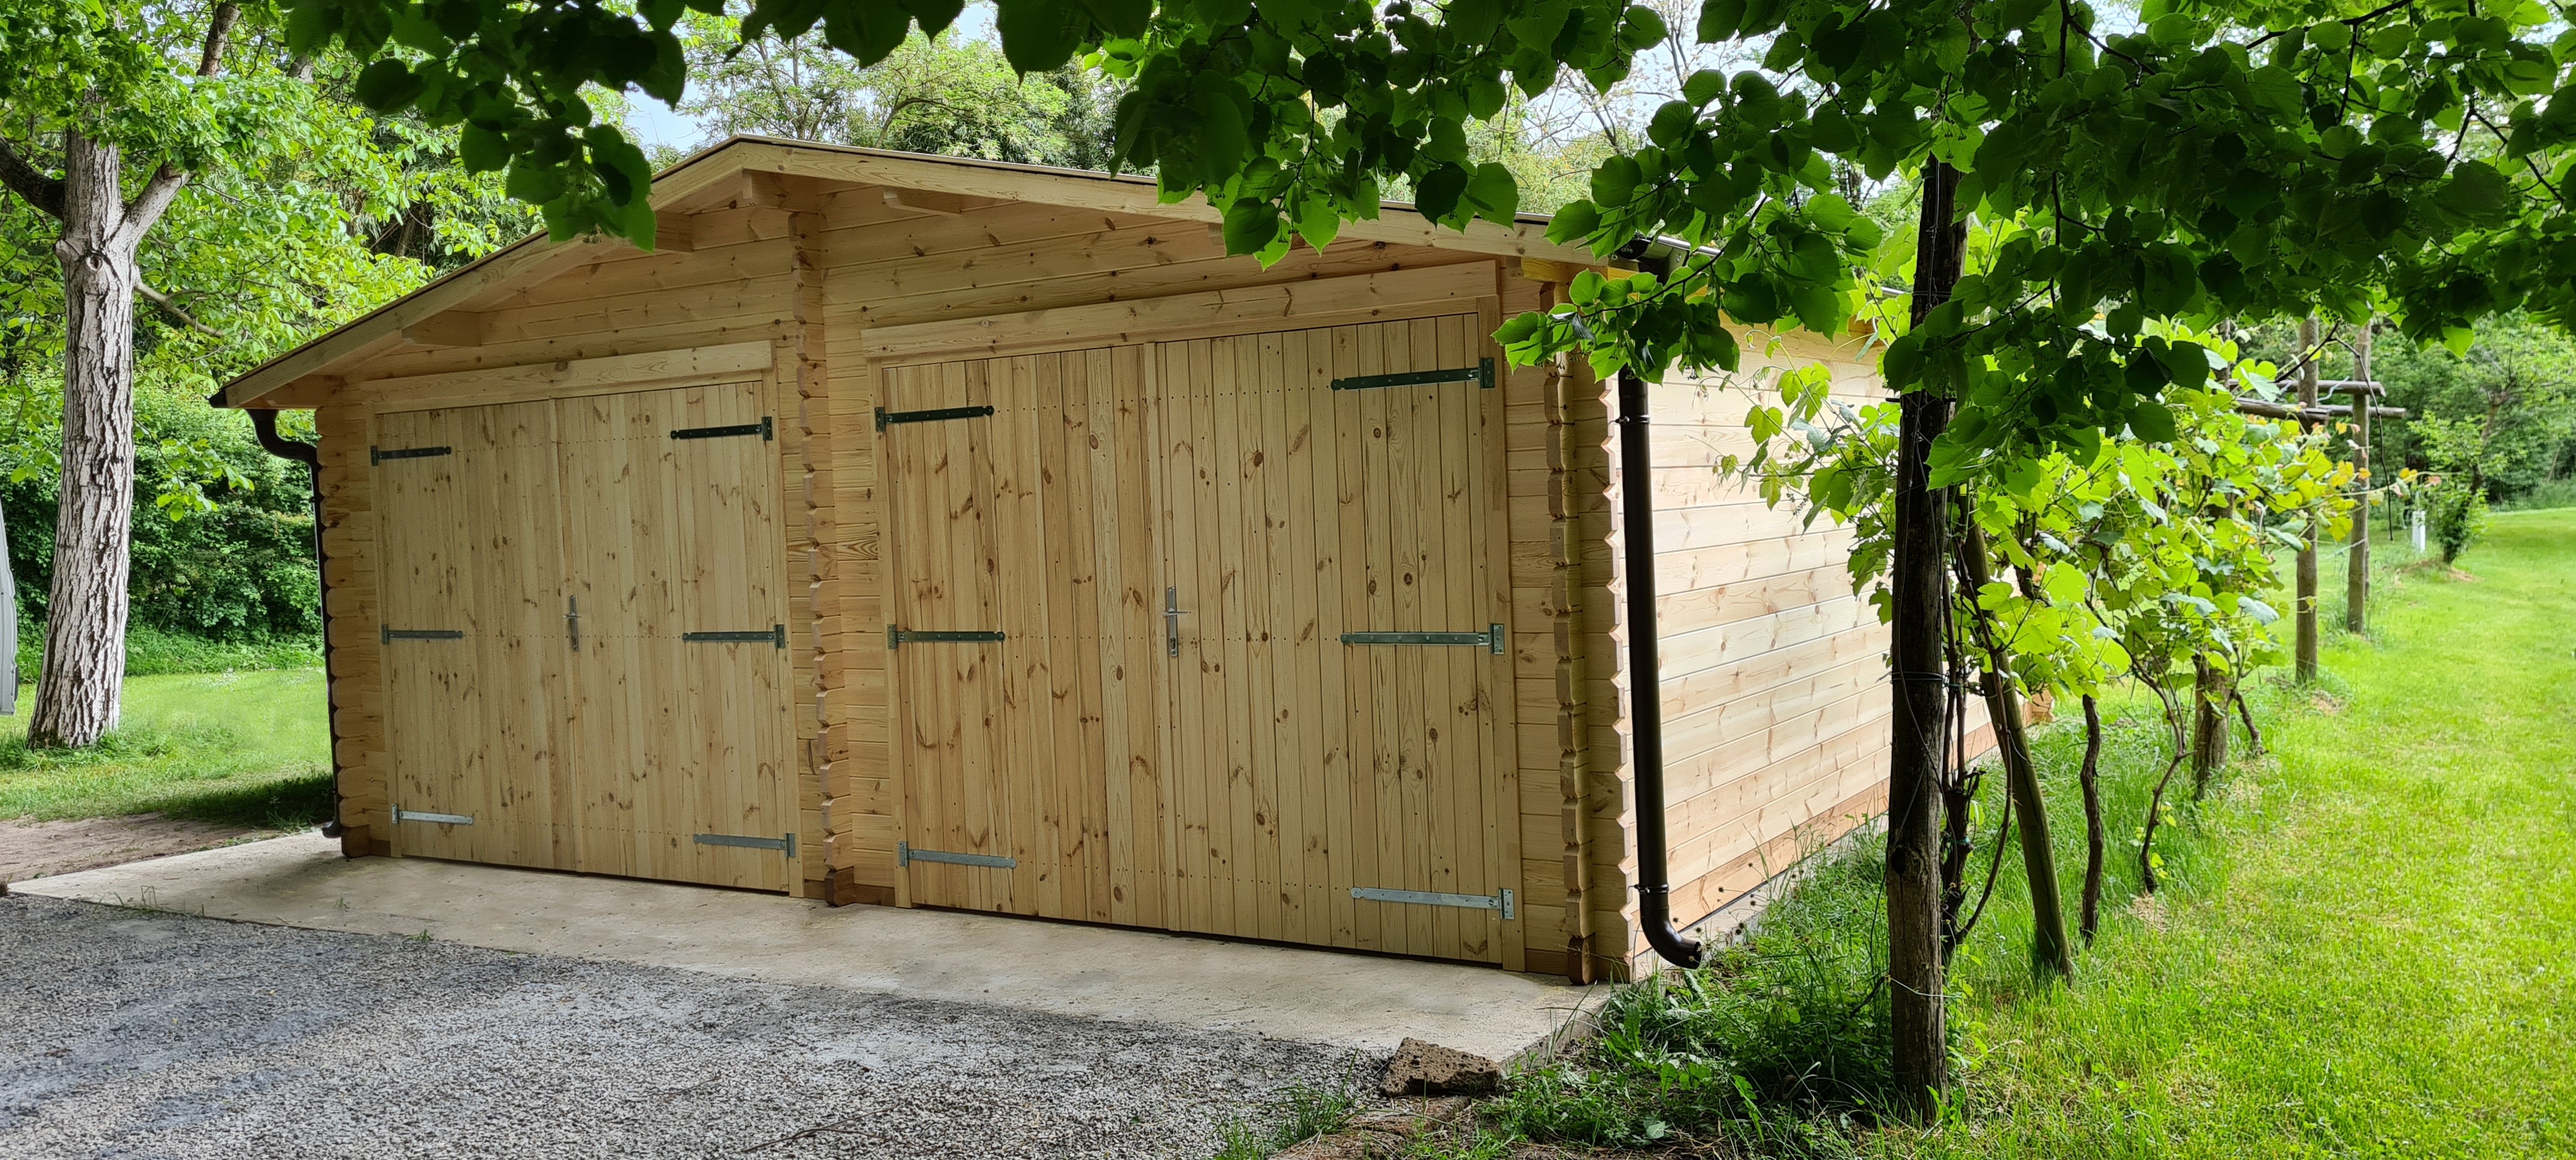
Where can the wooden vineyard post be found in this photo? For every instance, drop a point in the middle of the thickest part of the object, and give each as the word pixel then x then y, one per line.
pixel 2357 564
pixel 2307 595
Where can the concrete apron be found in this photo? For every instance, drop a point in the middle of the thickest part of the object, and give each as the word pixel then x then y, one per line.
pixel 1350 1000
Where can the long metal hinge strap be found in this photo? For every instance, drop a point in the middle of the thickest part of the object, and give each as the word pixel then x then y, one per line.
pixel 378 455
pixel 906 855
pixel 1502 901
pixel 761 428
pixel 392 634
pixel 1481 374
pixel 1492 638
pixel 775 634
pixel 404 815
pixel 784 844
pixel 886 418
pixel 896 636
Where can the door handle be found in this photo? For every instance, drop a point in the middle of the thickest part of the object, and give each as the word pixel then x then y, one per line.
pixel 1172 622
pixel 572 621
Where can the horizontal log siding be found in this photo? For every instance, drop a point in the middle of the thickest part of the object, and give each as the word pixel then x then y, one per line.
pixel 1774 678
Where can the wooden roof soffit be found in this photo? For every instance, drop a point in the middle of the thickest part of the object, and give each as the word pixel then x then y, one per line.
pixel 534 259
pixel 1102 192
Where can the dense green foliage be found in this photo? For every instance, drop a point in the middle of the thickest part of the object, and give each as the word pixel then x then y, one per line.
pixel 302 209
pixel 951 94
pixel 223 531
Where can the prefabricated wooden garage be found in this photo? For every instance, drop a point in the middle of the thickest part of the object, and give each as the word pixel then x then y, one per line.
pixel 923 532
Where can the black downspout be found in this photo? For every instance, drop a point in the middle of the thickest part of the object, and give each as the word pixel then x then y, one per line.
pixel 1645 687
pixel 264 424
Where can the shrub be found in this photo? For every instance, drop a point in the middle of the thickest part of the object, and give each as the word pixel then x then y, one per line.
pixel 2458 513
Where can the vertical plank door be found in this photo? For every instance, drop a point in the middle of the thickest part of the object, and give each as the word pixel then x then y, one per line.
pixel 470 587
pixel 1025 626
pixel 1335 697
pixel 681 745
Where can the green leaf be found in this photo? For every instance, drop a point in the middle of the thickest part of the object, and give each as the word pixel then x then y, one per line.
pixel 482 150
pixel 1127 18
pixel 870 30
pixel 1473 21
pixel 1249 225
pixel 1318 223
pixel 1719 19
pixel 2152 421
pixel 534 181
pixel 2476 191
pixel 388 85
pixel 1494 193
pixel 1574 222
pixel 1437 196
pixel 1037 35
pixel 1614 182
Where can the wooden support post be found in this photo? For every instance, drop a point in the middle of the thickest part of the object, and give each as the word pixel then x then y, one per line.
pixel 2357 564
pixel 2307 595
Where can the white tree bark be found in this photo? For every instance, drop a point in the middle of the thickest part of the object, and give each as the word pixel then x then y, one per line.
pixel 77 691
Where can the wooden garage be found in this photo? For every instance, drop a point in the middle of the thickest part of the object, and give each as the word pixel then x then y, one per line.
pixel 921 532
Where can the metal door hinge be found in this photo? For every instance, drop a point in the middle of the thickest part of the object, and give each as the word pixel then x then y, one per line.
pixel 1172 615
pixel 404 815
pixel 775 634
pixel 1481 374
pixel 896 636
pixel 886 418
pixel 784 844
pixel 905 855
pixel 376 456
pixel 761 428
pixel 390 634
pixel 1501 901
pixel 1492 638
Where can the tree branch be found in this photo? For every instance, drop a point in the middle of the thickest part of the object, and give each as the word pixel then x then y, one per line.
pixel 41 191
pixel 174 310
pixel 219 33
pixel 148 206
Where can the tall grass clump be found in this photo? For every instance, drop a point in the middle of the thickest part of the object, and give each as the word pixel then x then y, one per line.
pixel 1778 1042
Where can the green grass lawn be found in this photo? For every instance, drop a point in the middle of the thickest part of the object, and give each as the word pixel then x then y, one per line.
pixel 2365 945
pixel 2375 952
pixel 245 748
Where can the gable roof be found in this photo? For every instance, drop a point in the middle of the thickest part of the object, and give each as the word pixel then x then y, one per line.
pixel 537 258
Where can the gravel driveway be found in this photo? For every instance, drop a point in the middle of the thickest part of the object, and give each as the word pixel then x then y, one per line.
pixel 131 1034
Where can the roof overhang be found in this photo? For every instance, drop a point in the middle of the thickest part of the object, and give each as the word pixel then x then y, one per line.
pixel 706 172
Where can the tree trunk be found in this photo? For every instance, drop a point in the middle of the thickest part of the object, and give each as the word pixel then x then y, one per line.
pixel 1920 1053
pixel 84 668
pixel 2090 778
pixel 2253 736
pixel 2210 691
pixel 2174 727
pixel 2356 613
pixel 2307 595
pixel 2021 778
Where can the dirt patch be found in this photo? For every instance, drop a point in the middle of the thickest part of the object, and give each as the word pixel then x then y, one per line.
pixel 37 849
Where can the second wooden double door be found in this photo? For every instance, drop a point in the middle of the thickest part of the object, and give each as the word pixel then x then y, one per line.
pixel 584 648
pixel 1204 636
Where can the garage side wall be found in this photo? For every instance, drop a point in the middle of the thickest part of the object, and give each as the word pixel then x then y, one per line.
pixel 1774 678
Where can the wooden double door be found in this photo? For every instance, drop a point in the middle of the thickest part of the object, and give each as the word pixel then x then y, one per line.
pixel 1206 636
pixel 584 635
